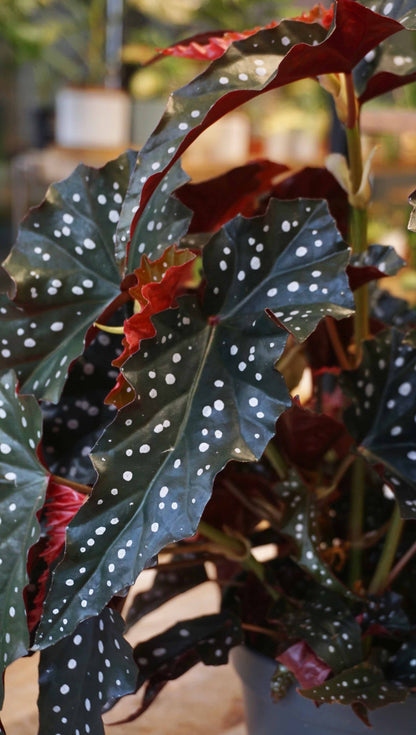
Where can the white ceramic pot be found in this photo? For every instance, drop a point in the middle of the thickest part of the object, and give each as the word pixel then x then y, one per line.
pixel 92 117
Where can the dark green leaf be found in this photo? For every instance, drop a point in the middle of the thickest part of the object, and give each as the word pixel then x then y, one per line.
pixel 391 310
pixel 335 637
pixel 23 483
pixel 270 59
pixel 167 656
pixel 363 683
pixel 302 527
pixel 393 62
pixel 163 223
pixel 381 257
pixel 382 415
pixel 384 615
pixel 157 461
pixel 65 272
pixel 402 664
pixel 81 673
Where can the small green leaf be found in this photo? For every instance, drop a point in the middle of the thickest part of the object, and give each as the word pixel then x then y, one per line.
pixel 65 273
pixel 302 527
pixel 23 483
pixel 334 636
pixel 82 673
pixel 382 415
pixel 363 683
pixel 158 459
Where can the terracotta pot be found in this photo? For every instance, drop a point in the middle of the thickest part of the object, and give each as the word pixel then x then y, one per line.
pixel 92 117
pixel 295 715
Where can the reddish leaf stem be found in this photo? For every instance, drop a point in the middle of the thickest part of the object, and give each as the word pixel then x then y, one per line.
pixel 336 343
pixel 84 489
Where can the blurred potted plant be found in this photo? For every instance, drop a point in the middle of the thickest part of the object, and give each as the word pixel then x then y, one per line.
pixel 96 112
pixel 227 289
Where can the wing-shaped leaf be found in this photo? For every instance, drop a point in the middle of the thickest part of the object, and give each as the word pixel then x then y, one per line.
pixel 319 183
pixel 164 222
pixel 83 672
pixel 382 415
pixel 335 639
pixel 23 483
pixel 65 273
pixel 158 460
pixel 390 65
pixel 393 63
pixel 167 656
pixel 301 525
pixel 272 58
pixel 236 192
pixel 364 684
pixel 376 262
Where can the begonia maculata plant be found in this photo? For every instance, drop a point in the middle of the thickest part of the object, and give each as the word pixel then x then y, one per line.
pixel 153 334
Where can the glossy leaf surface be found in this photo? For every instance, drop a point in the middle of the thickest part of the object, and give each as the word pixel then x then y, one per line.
pixel 23 483
pixel 271 58
pixel 81 673
pixel 302 527
pixel 167 656
pixel 364 684
pixel 157 461
pixel 65 272
pixel 382 414
pixel 164 222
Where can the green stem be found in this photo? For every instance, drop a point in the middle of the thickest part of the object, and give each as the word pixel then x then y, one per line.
pixel 381 575
pixel 238 550
pixel 358 235
pixel 356 521
pixel 276 460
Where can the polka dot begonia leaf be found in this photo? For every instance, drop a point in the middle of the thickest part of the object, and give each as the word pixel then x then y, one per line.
pixel 164 221
pixel 334 635
pixel 402 664
pixel 82 673
pixel 23 483
pixel 402 10
pixel 393 63
pixel 377 261
pixel 382 415
pixel 208 638
pixel 65 273
pixel 270 59
pixel 301 525
pixel 206 393
pixel 364 684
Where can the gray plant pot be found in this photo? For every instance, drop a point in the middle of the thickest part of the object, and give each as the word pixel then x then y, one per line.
pixel 295 715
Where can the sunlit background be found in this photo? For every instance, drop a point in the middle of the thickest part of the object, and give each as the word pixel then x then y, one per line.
pixel 50 46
